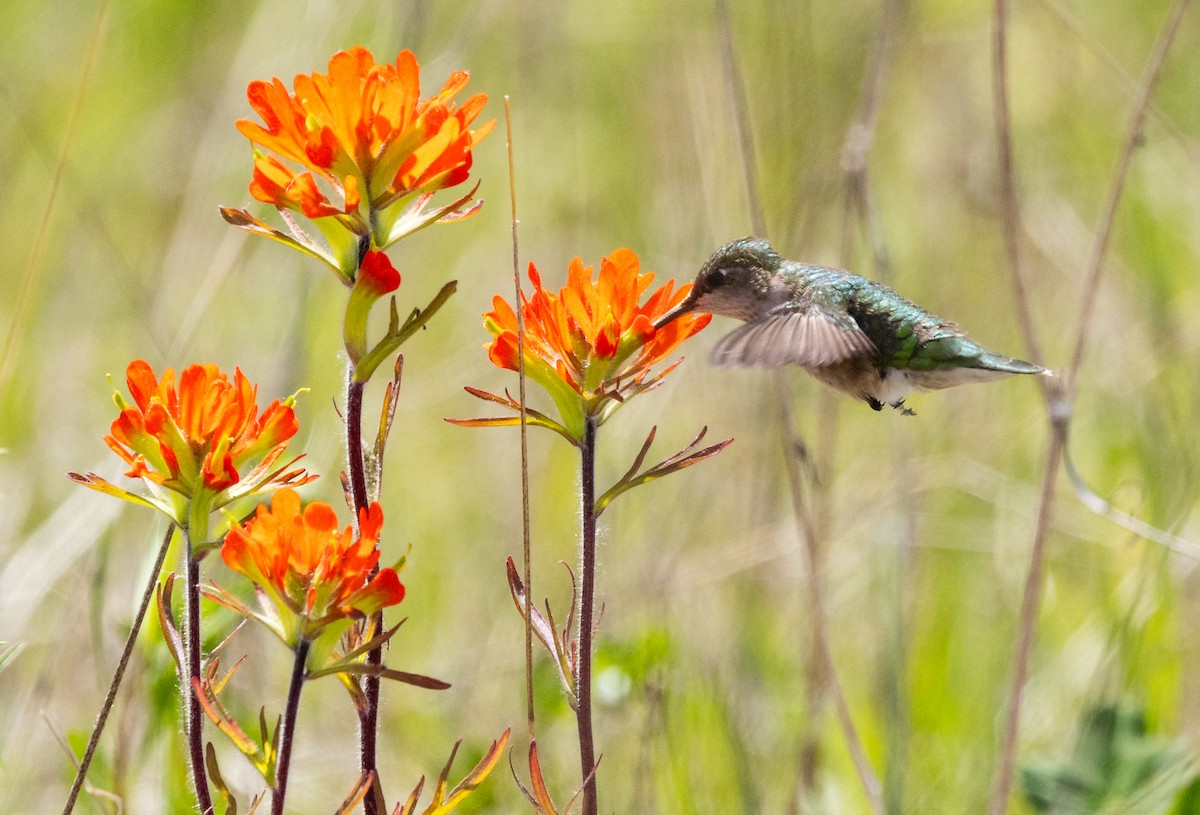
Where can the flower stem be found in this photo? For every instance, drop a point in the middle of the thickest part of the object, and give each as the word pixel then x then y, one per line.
pixel 289 727
pixel 354 454
pixel 197 530
pixel 369 718
pixel 583 681
pixel 118 674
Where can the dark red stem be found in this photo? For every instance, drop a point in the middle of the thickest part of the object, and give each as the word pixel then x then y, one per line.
pixel 354 454
pixel 583 683
pixel 369 719
pixel 289 728
pixel 193 721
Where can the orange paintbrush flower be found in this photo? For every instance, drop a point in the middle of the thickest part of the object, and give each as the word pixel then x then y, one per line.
pixel 313 574
pixel 359 133
pixel 202 437
pixel 592 345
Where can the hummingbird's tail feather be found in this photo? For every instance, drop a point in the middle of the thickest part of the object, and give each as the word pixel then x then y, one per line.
pixel 1009 365
pixel 984 367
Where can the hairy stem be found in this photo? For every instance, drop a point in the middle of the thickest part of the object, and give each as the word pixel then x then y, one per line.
pixel 289 727
pixel 197 531
pixel 354 451
pixel 368 724
pixel 119 673
pixel 583 681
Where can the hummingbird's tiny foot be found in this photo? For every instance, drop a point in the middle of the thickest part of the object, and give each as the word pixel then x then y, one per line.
pixel 874 403
pixel 904 411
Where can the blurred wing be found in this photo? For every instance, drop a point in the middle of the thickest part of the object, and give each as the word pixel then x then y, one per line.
pixel 811 338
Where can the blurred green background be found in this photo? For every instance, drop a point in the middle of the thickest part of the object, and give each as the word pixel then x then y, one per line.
pixel 625 136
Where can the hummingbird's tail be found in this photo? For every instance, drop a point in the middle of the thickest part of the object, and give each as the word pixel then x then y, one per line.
pixel 1002 364
pixel 980 366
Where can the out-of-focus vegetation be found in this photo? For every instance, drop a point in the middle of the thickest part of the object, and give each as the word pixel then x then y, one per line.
pixel 624 135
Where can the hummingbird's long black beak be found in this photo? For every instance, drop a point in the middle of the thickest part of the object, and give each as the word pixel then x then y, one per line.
pixel 687 304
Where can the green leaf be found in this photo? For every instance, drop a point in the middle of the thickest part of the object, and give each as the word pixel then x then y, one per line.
pixel 1115 766
pixel 398 336
pixel 363 669
pixel 684 458
pixel 243 220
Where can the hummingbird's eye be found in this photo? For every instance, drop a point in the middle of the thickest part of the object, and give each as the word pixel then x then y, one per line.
pixel 716 278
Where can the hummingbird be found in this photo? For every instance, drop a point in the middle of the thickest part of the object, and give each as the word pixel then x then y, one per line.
pixel 853 334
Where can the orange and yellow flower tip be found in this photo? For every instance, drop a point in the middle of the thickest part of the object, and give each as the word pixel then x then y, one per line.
pixel 592 345
pixel 362 128
pixel 276 183
pixel 203 439
pixel 313 573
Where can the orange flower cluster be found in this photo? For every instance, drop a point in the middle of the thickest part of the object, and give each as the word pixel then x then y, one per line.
pixel 365 131
pixel 200 435
pixel 313 573
pixel 592 345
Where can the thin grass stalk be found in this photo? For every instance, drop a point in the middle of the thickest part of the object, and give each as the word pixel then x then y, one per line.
pixel 1060 401
pixel 17 328
pixel 1137 121
pixel 118 674
pixel 1031 593
pixel 526 548
pixel 817 608
pixel 583 681
pixel 856 150
pixel 745 133
pixel 1031 597
pixel 1009 207
pixel 287 737
pixel 791 439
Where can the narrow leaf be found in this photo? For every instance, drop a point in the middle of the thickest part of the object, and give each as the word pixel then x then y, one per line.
pixel 544 630
pixel 166 621
pixel 532 417
pixel 95 482
pixel 357 793
pixel 443 782
pixel 418 680
pixel 217 687
pixel 387 414
pixel 641 456
pixel 541 794
pixel 684 458
pixel 362 669
pixel 244 220
pixel 476 776
pixel 214 777
pixel 372 643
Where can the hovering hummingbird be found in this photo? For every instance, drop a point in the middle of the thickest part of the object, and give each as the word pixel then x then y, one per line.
pixel 853 334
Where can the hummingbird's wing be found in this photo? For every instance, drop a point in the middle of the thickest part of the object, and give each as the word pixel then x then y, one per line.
pixel 806 336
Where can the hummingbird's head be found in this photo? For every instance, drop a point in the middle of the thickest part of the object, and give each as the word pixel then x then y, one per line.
pixel 734 282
